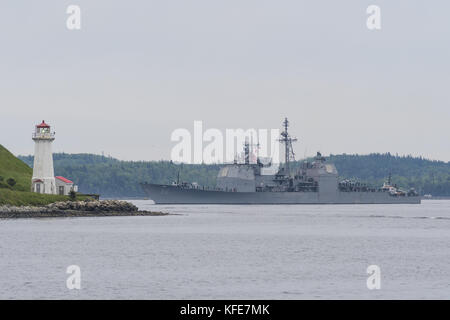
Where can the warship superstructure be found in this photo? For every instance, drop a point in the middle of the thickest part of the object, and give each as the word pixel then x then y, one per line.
pixel 314 182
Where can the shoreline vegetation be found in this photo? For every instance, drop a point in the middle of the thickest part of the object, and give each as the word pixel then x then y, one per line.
pixel 85 208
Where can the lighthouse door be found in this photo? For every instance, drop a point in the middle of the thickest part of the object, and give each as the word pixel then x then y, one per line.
pixel 38 187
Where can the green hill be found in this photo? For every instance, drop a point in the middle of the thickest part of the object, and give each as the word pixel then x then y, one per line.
pixel 12 167
pixel 114 178
pixel 18 193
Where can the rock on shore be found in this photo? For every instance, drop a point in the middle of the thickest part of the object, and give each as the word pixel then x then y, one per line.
pixel 95 205
pixel 76 209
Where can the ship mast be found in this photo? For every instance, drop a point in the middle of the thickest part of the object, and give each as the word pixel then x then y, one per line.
pixel 288 150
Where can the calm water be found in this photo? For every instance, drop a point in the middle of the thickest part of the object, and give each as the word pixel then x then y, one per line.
pixel 226 252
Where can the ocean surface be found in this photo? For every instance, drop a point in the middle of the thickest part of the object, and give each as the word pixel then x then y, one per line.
pixel 233 252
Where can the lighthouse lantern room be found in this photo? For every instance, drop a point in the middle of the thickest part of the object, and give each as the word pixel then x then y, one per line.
pixel 43 180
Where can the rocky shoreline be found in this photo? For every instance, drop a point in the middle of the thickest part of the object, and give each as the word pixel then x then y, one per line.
pixel 92 208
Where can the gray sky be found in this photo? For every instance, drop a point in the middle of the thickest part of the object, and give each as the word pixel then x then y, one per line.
pixel 137 70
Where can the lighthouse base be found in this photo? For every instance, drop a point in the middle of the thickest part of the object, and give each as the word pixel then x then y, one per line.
pixel 44 185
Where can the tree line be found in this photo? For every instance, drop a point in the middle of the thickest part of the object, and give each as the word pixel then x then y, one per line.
pixel 115 178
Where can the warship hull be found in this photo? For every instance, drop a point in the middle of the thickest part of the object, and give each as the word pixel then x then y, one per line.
pixel 167 194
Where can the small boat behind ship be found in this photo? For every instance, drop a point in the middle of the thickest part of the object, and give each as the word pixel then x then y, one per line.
pixel 314 182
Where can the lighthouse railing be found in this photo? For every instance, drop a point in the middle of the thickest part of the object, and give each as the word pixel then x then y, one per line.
pixel 42 135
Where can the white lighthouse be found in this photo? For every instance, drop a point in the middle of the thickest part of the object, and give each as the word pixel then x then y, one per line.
pixel 43 180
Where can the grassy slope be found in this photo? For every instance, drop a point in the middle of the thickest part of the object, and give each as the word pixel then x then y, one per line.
pixel 11 167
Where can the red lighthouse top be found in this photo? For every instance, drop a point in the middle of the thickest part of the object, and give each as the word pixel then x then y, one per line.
pixel 43 125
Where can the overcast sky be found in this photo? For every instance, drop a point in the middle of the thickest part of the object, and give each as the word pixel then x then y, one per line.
pixel 137 70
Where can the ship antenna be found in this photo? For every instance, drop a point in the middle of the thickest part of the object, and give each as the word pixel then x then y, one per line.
pixel 288 150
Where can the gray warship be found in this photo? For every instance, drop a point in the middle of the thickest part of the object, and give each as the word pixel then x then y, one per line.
pixel 314 182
